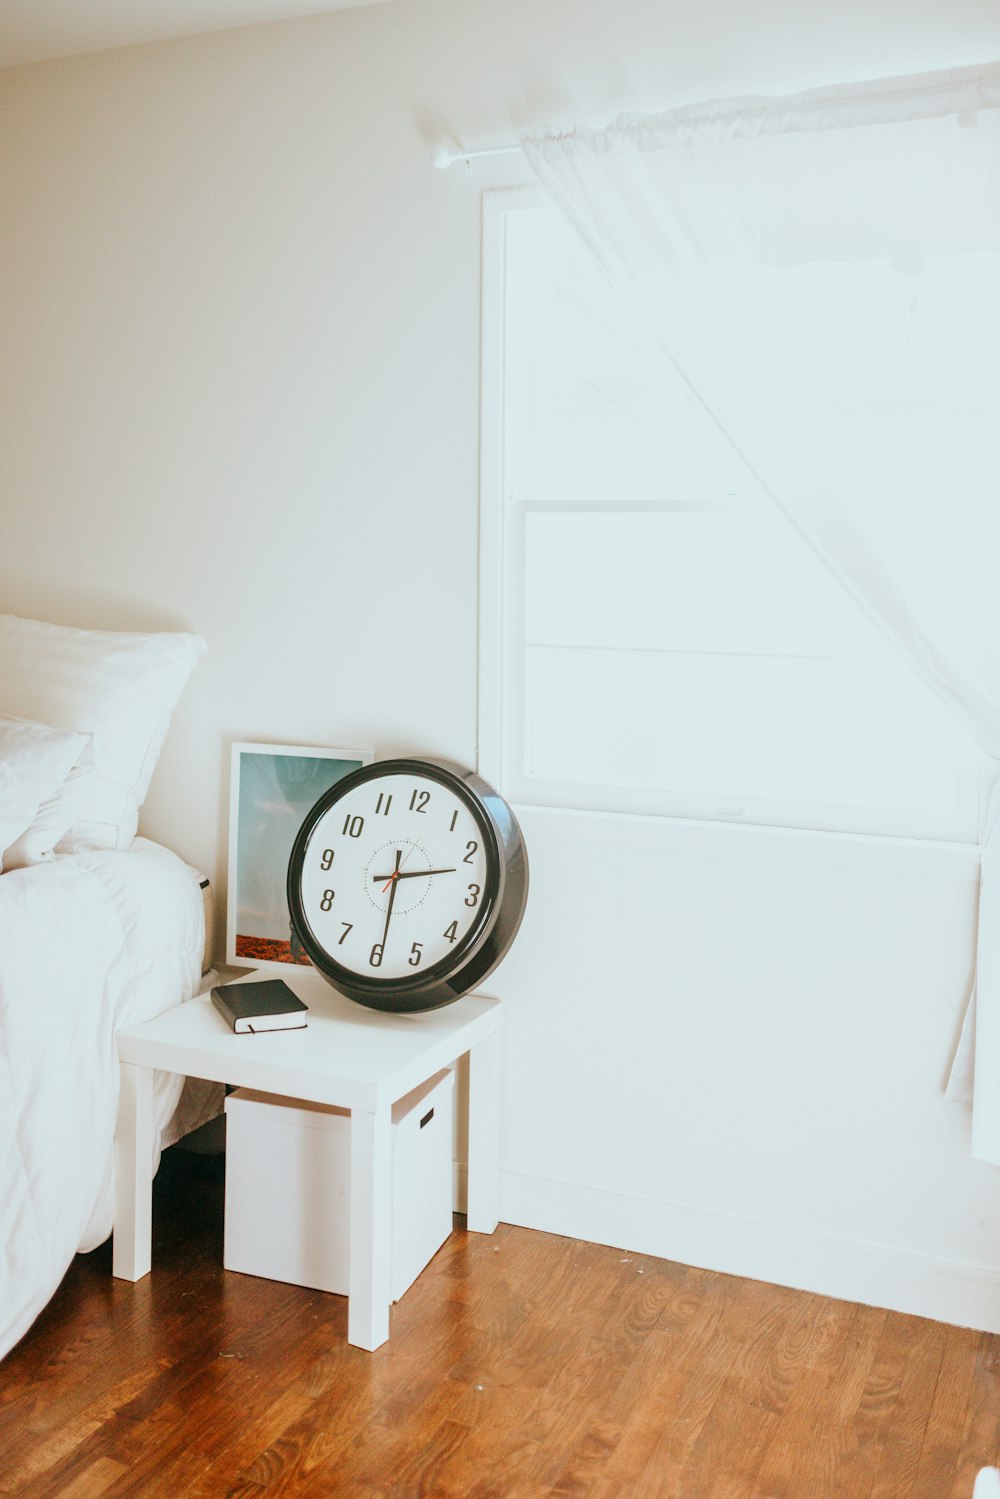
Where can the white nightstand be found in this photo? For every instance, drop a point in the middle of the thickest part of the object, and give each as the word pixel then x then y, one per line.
pixel 359 1059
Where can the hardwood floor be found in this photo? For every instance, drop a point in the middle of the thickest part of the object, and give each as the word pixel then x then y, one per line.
pixel 519 1365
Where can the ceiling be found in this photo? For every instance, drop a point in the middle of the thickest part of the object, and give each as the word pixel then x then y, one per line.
pixel 35 30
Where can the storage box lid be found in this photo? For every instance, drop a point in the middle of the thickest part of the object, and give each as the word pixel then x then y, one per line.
pixel 248 1103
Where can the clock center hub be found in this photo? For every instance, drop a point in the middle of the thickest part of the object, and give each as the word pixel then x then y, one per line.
pixel 379 880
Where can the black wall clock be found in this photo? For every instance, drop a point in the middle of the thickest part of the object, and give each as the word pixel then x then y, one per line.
pixel 407 883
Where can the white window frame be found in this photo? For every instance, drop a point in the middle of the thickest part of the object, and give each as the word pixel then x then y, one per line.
pixel 501 550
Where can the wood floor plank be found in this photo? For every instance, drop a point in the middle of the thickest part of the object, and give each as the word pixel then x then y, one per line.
pixel 93 1481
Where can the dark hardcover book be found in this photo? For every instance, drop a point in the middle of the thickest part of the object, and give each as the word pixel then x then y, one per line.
pixel 267 1006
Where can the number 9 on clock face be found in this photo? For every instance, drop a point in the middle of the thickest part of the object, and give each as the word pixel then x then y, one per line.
pixel 402 886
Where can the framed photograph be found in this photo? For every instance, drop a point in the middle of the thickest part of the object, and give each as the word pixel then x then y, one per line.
pixel 272 787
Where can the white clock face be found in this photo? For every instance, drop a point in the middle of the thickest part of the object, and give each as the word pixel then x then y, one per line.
pixel 394 876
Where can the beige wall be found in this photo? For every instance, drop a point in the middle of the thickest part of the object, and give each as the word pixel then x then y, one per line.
pixel 239 394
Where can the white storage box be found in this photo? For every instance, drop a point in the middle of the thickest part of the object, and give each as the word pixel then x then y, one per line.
pixel 288 1168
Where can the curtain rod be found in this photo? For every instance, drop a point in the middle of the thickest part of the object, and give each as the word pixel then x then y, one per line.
pixel 444 157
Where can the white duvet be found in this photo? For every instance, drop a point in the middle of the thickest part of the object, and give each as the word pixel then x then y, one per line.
pixel 88 943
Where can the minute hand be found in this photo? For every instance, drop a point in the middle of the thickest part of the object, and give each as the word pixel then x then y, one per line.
pixel 392 897
pixel 412 874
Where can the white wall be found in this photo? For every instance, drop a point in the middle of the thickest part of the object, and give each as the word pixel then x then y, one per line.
pixel 239 394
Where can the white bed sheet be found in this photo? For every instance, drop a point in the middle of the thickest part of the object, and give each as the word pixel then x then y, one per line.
pixel 88 943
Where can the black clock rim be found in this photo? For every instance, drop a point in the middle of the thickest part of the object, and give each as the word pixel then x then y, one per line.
pixel 437 984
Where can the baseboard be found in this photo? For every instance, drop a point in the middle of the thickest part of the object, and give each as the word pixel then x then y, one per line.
pixel 964 1295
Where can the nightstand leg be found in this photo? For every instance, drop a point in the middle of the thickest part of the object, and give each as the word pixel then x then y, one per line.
pixel 369 1275
pixel 133 1174
pixel 484 1136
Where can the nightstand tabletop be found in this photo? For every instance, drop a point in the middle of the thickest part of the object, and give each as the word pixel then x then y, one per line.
pixel 345 1054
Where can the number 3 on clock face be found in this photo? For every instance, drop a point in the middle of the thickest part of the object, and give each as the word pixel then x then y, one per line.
pixel 407 883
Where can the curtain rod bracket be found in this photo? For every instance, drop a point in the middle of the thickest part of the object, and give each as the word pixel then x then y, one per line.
pixel 443 157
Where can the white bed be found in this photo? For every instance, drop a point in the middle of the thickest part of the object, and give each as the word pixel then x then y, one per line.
pixel 88 943
pixel 98 929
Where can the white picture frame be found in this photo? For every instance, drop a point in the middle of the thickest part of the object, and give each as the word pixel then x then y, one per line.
pixel 271 788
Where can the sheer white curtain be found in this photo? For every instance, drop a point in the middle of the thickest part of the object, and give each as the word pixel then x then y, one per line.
pixel 824 271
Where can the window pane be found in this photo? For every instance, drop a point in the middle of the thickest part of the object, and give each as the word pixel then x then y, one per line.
pixel 632 441
pixel 683 581
pixel 732 729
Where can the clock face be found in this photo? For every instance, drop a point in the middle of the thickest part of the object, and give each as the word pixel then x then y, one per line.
pixel 396 878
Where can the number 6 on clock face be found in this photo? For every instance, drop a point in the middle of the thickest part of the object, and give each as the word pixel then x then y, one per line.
pixel 407 883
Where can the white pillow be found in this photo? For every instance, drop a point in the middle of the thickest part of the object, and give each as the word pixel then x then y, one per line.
pixel 120 688
pixel 36 760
